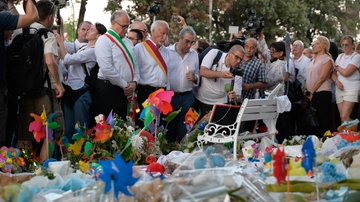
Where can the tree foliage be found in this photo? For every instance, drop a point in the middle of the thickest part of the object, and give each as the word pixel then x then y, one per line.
pixel 303 19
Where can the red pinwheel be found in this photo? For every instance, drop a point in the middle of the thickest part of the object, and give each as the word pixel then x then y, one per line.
pixel 279 165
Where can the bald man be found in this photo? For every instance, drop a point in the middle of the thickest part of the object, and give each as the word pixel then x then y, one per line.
pixel 142 27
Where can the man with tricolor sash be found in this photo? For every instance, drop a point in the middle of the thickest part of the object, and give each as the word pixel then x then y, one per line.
pixel 152 58
pixel 118 76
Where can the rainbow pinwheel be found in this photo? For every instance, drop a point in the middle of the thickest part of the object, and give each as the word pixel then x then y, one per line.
pixel 190 118
pixel 158 102
pixel 104 129
pixel 117 173
pixel 38 126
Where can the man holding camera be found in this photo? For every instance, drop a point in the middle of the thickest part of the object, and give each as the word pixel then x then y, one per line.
pixel 216 77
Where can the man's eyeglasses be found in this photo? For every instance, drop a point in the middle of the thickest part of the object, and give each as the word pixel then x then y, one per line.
pixel 296 46
pixel 237 57
pixel 122 26
pixel 189 42
pixel 345 45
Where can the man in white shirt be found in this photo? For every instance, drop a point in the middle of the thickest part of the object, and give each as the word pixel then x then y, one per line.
pixel 118 75
pixel 152 59
pixel 216 77
pixel 73 47
pixel 183 76
pixel 300 63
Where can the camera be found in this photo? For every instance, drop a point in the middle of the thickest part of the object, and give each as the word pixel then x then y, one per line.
pixel 154 9
pixel 60 3
pixel 175 18
pixel 254 24
pixel 236 71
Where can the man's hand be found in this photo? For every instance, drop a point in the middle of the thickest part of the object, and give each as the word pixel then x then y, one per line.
pixel 59 90
pixel 227 75
pixel 181 21
pixel 190 76
pixel 129 89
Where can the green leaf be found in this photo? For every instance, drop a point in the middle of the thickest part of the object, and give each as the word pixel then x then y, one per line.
pixel 53 125
pixel 171 115
pixel 50 148
pixel 88 149
pixel 77 136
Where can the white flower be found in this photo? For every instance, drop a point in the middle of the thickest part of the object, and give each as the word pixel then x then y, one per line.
pixel 131 129
pixel 114 145
pixel 137 142
pixel 100 118
pixel 186 151
pixel 190 145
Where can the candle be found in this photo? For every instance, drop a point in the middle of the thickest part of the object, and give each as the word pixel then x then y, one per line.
pixel 187 68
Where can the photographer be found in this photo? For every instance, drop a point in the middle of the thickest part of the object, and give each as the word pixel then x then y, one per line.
pixel 216 77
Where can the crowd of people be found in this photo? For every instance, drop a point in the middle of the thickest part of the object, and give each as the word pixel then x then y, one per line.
pixel 131 61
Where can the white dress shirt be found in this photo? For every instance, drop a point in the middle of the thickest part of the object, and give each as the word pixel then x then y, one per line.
pixel 112 63
pixel 73 47
pixel 177 69
pixel 150 72
pixel 76 74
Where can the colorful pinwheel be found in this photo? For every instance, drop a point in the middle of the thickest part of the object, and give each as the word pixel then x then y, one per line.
pixel 158 102
pixel 191 117
pixel 117 174
pixel 38 126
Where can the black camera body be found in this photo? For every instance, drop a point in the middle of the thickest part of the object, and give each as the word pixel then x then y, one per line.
pixel 60 3
pixel 154 9
pixel 236 71
pixel 254 24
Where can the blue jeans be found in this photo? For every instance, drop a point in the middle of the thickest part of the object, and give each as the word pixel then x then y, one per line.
pixel 176 128
pixel 77 112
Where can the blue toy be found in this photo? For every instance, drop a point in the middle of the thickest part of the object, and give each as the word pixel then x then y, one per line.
pixel 329 173
pixel 214 160
pixel 309 156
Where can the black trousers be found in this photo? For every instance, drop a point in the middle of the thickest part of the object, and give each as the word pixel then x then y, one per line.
pixel 321 101
pixel 110 97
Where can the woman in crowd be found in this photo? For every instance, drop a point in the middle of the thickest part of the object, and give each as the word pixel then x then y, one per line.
pixel 77 92
pixel 347 78
pixel 318 83
pixel 276 70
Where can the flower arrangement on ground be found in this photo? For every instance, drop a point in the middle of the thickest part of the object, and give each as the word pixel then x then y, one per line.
pixel 113 135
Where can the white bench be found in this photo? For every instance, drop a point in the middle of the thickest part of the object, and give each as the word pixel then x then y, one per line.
pixel 250 110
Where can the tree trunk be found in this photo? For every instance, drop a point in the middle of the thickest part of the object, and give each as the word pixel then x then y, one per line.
pixel 81 14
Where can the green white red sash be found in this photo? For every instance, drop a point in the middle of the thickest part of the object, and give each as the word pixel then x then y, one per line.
pixel 115 38
pixel 154 52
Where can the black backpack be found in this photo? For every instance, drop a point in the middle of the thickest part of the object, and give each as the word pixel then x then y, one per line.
pixel 25 64
pixel 215 61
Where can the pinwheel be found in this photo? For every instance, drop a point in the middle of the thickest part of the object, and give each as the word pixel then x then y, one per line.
pixel 158 102
pixel 279 165
pixel 190 118
pixel 349 136
pixel 117 174
pixel 38 126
